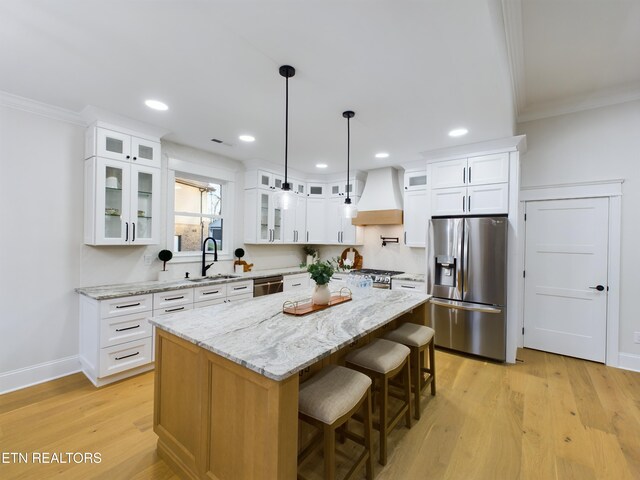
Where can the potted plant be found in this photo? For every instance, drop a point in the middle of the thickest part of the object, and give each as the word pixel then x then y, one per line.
pixel 321 273
pixel 311 254
pixel 164 256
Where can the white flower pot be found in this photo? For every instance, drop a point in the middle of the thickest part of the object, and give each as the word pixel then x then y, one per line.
pixel 321 295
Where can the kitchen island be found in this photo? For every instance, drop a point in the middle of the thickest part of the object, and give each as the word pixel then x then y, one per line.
pixel 226 385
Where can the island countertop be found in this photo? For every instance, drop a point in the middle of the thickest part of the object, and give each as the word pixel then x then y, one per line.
pixel 258 336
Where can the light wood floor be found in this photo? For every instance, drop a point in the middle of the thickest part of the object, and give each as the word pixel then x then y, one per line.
pixel 547 417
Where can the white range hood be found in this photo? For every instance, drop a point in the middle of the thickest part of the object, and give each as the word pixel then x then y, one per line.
pixel 381 201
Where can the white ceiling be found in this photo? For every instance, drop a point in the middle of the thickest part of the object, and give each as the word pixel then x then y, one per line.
pixel 411 70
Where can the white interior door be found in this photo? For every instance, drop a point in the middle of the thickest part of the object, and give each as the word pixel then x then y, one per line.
pixel 565 304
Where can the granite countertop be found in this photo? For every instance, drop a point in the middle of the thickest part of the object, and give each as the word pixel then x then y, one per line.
pixel 257 335
pixel 104 292
pixel 414 277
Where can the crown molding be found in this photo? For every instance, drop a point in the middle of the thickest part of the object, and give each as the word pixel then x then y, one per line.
pixel 579 103
pixel 39 108
pixel 512 15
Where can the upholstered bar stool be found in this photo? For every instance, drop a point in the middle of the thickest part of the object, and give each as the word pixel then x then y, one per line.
pixel 382 360
pixel 327 401
pixel 419 339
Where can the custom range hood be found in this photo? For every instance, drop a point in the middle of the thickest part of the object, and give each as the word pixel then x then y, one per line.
pixel 381 201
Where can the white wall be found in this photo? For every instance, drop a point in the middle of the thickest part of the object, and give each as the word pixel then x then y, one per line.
pixel 394 256
pixel 599 144
pixel 41 188
pixel 42 255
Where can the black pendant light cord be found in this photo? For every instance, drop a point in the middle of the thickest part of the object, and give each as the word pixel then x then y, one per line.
pixel 348 115
pixel 286 71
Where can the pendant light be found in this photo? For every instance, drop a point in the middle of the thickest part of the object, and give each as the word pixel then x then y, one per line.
pixel 284 198
pixel 350 210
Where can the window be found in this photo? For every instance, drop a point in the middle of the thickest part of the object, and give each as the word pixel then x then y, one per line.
pixel 198 214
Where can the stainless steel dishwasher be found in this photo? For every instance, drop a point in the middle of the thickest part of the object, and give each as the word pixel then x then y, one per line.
pixel 267 285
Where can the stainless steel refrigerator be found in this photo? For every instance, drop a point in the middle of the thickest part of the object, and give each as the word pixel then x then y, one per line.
pixel 466 275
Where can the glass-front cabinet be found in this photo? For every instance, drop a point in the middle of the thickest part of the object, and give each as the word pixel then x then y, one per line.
pixel 122 203
pixel 107 143
pixel 270 219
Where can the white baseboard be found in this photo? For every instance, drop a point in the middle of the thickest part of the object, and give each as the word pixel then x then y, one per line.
pixel 43 372
pixel 629 361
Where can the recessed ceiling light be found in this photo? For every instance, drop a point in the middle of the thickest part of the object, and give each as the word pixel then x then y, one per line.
pixel 458 132
pixel 321 165
pixel 382 155
pixel 247 138
pixel 156 105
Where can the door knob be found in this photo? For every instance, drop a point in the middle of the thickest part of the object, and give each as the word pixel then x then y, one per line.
pixel 598 287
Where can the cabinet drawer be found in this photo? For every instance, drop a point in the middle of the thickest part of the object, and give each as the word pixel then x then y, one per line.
pixel 240 297
pixel 124 328
pixel 208 303
pixel 239 288
pixel 201 294
pixel 409 286
pixel 296 282
pixel 125 356
pixel 172 309
pixel 125 305
pixel 172 298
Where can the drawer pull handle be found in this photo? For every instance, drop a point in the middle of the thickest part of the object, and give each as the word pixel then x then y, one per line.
pixel 174 298
pixel 296 284
pixel 210 293
pixel 407 286
pixel 128 306
pixel 127 356
pixel 128 328
pixel 167 310
pixel 240 288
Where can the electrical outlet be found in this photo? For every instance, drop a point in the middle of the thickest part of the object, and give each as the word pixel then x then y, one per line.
pixel 148 260
pixel 636 337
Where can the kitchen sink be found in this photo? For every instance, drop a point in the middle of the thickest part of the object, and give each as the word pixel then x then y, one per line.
pixel 212 277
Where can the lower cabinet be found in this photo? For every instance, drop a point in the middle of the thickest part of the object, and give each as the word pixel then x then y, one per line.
pixel 295 282
pixel 116 338
pixel 408 285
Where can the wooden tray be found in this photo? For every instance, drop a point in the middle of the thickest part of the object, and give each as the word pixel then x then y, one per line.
pixel 306 307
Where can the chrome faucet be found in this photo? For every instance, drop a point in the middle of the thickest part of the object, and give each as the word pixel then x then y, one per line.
pixel 204 252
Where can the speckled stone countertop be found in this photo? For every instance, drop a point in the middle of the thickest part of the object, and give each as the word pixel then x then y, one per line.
pixel 257 335
pixel 104 292
pixel 414 277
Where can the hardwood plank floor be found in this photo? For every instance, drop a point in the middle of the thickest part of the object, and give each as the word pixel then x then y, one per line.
pixel 547 417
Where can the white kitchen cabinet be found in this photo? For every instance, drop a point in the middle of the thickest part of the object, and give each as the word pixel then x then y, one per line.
pixel 316 190
pixel 115 337
pixel 415 218
pixel 263 220
pixel 299 281
pixel 316 220
pixel 295 218
pixel 415 180
pixel 480 170
pixel 474 200
pixel 122 203
pixel 172 301
pixel 222 293
pixel 339 188
pixel 123 146
pixel 299 187
pixel 340 230
pixel 408 285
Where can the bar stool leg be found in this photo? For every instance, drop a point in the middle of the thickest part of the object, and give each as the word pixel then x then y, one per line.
pixel 329 452
pixel 384 394
pixel 432 365
pixel 368 438
pixel 407 391
pixel 417 380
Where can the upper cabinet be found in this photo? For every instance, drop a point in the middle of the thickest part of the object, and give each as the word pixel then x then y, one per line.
pixel 471 186
pixel 480 170
pixel 415 205
pixel 107 143
pixel 340 188
pixel 122 189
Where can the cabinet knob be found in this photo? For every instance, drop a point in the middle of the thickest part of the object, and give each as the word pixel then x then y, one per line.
pixel 128 157
pixel 135 158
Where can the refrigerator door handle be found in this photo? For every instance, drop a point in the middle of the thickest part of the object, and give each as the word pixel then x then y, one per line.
pixel 465 306
pixel 465 258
